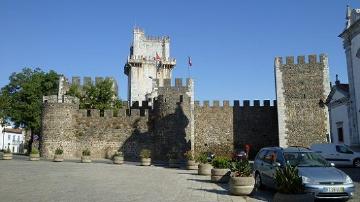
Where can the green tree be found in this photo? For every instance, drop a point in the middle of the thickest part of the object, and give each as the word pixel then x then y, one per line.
pixel 21 99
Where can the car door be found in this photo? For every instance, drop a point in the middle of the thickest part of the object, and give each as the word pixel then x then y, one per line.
pixel 269 169
pixel 343 155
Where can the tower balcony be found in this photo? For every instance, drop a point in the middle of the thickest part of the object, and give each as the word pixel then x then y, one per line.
pixel 139 60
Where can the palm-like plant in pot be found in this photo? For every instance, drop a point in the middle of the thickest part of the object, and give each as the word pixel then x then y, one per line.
pixel 190 163
pixel 145 157
pixel 290 186
pixel 204 167
pixel 241 180
pixel 7 154
pixel 118 158
pixel 86 156
pixel 221 171
pixel 34 154
pixel 58 157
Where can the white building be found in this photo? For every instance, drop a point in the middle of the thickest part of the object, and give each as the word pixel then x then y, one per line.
pixel 13 138
pixel 351 42
pixel 338 103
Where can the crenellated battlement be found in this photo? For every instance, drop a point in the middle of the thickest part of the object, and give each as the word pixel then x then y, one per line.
pixel 140 31
pixel 109 113
pixel 178 83
pixel 236 103
pixel 60 99
pixel 76 80
pixel 310 59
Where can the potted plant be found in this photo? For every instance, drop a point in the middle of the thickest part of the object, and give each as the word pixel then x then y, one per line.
pixel 173 159
pixel 221 172
pixel 86 156
pixel 34 155
pixel 58 157
pixel 118 158
pixel 204 167
pixel 241 180
pixel 290 186
pixel 190 163
pixel 7 154
pixel 145 157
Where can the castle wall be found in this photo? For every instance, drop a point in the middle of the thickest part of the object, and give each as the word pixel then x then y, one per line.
pixel 302 89
pixel 221 129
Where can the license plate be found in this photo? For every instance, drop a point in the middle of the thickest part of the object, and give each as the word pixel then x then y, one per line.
pixel 334 189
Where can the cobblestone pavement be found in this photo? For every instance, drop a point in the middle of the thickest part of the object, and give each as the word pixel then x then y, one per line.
pixel 23 180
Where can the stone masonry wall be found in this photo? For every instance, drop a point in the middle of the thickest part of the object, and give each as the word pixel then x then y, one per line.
pixel 302 89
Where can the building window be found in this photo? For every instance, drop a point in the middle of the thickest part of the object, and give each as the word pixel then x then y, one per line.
pixel 9 137
pixel 14 137
pixel 340 134
pixel 181 98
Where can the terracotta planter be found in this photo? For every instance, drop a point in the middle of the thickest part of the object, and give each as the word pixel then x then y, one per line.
pixel 58 158
pixel 204 169
pixel 7 156
pixel 85 159
pixel 191 165
pixel 173 163
pixel 34 157
pixel 118 160
pixel 220 175
pixel 241 186
pixel 280 197
pixel 145 161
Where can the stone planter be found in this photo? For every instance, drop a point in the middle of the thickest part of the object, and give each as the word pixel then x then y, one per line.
pixel 118 160
pixel 173 163
pixel 191 165
pixel 204 169
pixel 145 161
pixel 7 156
pixel 280 197
pixel 34 157
pixel 85 159
pixel 241 186
pixel 220 175
pixel 58 158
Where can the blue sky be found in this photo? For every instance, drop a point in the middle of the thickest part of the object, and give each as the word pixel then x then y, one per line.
pixel 232 43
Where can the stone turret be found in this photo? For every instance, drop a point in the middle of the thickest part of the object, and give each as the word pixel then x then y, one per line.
pixel 149 59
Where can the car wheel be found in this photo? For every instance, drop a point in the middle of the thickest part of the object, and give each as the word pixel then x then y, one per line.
pixel 357 163
pixel 258 182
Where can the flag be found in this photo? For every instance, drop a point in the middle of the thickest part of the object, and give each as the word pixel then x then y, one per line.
pixel 157 57
pixel 189 61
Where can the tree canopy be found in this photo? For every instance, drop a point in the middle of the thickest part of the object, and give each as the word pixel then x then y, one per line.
pixel 21 99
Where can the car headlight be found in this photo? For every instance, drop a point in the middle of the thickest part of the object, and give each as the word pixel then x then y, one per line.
pixel 348 180
pixel 307 180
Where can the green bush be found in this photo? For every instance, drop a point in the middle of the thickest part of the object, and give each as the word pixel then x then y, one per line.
pixel 59 151
pixel 202 158
pixel 145 153
pixel 241 168
pixel 118 154
pixel 34 151
pixel 288 180
pixel 189 155
pixel 86 152
pixel 221 162
pixel 7 151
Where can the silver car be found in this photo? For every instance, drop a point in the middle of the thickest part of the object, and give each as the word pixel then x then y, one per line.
pixel 319 176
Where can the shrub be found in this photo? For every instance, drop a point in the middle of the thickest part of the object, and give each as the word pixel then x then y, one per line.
pixel 145 153
pixel 202 158
pixel 7 151
pixel 221 162
pixel 34 151
pixel 59 151
pixel 241 168
pixel 189 155
pixel 118 154
pixel 86 152
pixel 288 180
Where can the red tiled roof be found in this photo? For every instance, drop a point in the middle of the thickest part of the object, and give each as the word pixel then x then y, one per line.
pixel 13 130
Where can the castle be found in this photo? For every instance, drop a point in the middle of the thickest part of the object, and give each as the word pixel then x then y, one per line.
pixel 164 116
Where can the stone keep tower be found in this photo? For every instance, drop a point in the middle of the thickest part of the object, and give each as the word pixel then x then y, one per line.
pixel 149 59
pixel 301 90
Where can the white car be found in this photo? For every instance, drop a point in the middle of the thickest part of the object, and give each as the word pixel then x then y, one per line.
pixel 339 154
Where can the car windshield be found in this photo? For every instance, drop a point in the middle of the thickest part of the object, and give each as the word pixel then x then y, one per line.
pixel 305 159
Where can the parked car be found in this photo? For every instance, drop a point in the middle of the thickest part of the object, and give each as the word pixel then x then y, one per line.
pixel 339 154
pixel 319 176
pixel 239 155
